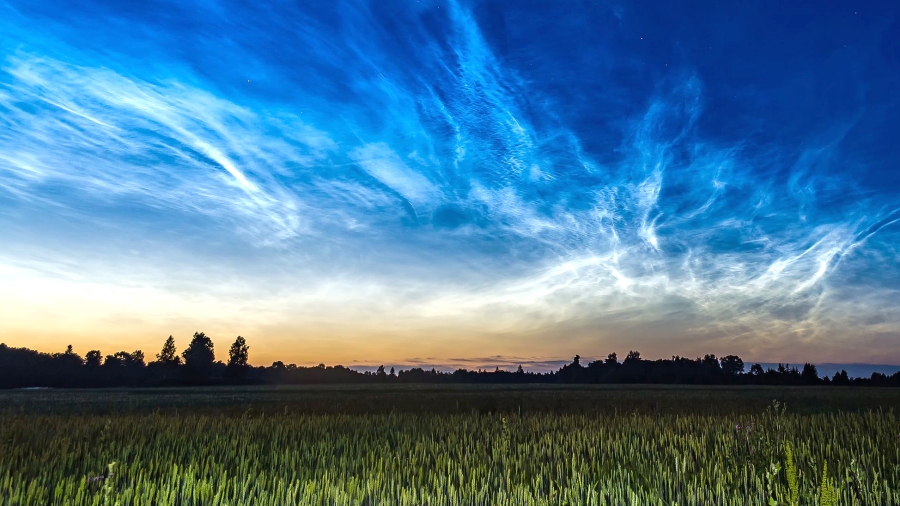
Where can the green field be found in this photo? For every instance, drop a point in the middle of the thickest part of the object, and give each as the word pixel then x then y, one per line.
pixel 450 445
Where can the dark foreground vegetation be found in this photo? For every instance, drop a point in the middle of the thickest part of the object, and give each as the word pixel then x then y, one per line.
pixel 443 445
pixel 439 399
pixel 197 365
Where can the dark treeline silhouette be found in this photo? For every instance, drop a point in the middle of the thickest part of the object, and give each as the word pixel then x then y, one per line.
pixel 197 365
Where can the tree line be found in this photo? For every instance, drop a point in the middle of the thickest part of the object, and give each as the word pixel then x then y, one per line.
pixel 197 365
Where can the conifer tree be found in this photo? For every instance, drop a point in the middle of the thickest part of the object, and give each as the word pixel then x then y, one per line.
pixel 169 355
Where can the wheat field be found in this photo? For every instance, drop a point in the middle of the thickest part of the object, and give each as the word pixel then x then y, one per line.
pixel 145 448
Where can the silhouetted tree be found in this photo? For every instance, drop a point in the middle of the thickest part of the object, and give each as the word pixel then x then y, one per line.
pixel 633 356
pixel 200 351
pixel 711 363
pixel 239 353
pixel 732 365
pixel 756 370
pixel 114 360
pixel 69 359
pixel 135 359
pixel 199 357
pixel 612 358
pixel 166 367
pixel 169 355
pixel 879 379
pixel 572 373
pixel 125 359
pixel 238 356
pixel 93 358
pixel 840 378
pixel 810 375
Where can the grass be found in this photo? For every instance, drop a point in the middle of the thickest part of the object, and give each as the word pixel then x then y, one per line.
pixel 451 445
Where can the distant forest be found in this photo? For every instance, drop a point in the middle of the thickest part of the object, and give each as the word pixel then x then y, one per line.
pixel 197 365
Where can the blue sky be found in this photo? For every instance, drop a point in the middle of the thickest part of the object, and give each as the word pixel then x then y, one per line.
pixel 452 182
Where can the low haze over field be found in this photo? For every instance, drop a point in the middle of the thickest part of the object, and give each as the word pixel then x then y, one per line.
pixel 442 182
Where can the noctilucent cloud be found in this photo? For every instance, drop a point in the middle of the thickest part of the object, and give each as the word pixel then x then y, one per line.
pixel 452 182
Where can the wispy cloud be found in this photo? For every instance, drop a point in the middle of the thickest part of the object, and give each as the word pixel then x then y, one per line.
pixel 165 144
pixel 396 171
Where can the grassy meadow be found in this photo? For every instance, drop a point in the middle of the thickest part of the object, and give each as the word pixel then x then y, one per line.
pixel 451 445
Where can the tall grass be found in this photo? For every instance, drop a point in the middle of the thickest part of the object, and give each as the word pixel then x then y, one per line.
pixel 411 459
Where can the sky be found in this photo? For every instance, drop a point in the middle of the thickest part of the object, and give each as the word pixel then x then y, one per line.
pixel 452 182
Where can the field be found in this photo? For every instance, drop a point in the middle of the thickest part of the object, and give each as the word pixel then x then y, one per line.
pixel 451 445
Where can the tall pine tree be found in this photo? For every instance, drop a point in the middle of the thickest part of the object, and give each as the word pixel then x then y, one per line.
pixel 169 355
